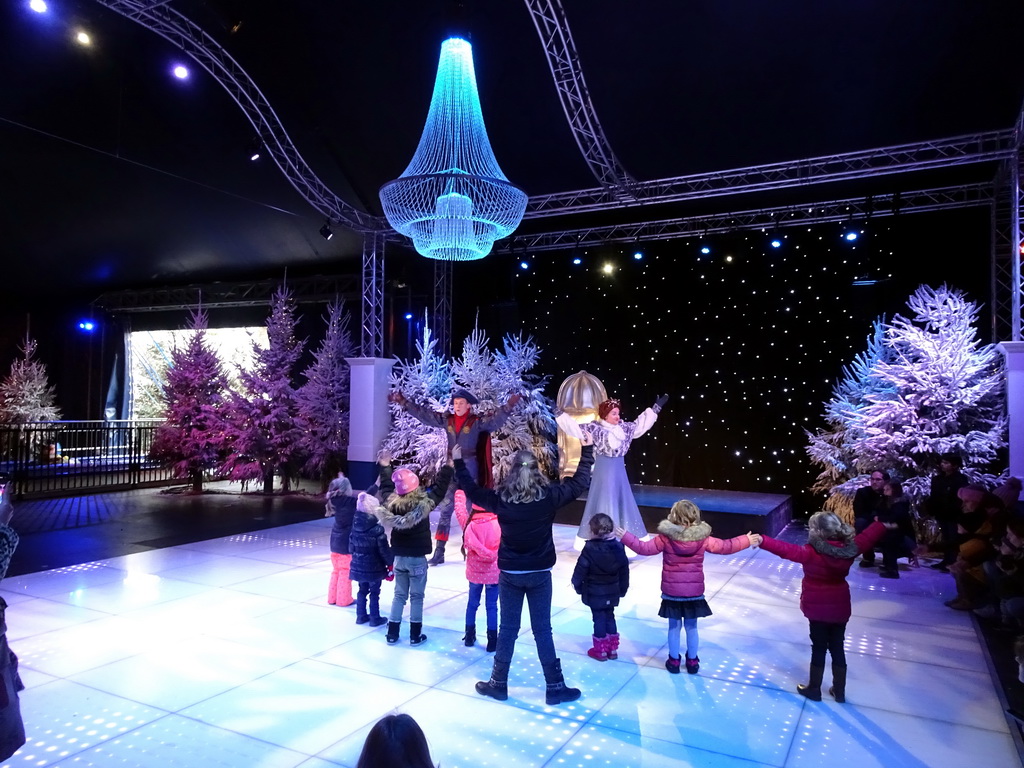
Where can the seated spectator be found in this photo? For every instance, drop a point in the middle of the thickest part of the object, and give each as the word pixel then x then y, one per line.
pixel 899 541
pixel 981 525
pixel 395 741
pixel 1004 577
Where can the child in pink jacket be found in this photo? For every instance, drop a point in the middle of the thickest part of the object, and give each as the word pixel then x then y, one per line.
pixel 481 536
pixel 682 540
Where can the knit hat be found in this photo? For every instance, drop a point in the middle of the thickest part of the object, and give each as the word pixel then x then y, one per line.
pixel 405 481
pixel 1009 491
pixel 466 395
pixel 971 493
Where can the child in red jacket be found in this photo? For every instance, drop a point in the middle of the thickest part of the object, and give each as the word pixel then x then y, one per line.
pixel 683 539
pixel 481 536
pixel 824 594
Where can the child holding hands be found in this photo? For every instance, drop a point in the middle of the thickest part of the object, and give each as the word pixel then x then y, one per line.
pixel 601 577
pixel 824 594
pixel 683 539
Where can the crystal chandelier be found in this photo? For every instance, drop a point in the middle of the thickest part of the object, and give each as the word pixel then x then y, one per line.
pixel 453 201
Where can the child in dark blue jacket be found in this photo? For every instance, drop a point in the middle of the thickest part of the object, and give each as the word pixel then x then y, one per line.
pixel 602 578
pixel 371 560
pixel 341 504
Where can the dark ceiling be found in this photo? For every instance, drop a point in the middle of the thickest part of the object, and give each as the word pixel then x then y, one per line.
pixel 116 175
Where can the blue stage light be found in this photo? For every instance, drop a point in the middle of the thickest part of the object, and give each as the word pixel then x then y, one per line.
pixel 577 260
pixel 524 265
pixel 39 6
pixel 638 255
pixel 408 315
pixel 851 236
pixel 180 71
pixel 705 250
pixel 87 325
pixel 776 243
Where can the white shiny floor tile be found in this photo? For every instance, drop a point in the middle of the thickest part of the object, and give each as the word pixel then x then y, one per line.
pixel 225 653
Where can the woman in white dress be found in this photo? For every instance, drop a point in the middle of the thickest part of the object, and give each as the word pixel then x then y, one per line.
pixel 610 491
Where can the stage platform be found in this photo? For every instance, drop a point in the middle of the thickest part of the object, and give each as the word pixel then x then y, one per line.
pixel 729 513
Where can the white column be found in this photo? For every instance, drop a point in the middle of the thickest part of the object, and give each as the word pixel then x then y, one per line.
pixel 1014 352
pixel 368 416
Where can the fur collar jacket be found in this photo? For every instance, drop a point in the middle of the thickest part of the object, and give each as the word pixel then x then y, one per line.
pixel 697 532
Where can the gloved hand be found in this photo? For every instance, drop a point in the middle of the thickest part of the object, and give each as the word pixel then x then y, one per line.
pixel 391 573
pixel 659 403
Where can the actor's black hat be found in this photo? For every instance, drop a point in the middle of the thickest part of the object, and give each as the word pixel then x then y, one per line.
pixel 465 395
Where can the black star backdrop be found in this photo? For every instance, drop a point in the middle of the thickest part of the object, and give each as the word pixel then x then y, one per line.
pixel 747 338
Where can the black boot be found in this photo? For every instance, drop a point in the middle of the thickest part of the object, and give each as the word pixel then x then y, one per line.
pixel 438 558
pixel 375 618
pixel 557 691
pixel 361 615
pixel 492 640
pixel 497 686
pixel 470 637
pixel 812 690
pixel 838 689
pixel 392 635
pixel 416 636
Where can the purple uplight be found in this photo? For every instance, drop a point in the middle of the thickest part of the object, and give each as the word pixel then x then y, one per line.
pixel 180 71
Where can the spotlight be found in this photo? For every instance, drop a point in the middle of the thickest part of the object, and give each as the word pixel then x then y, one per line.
pixel 578 260
pixel 82 38
pixel 257 146
pixel 638 255
pixel 850 236
pixel 87 325
pixel 408 315
pixel 608 268
pixel 705 250
pixel 39 6
pixel 776 243
pixel 180 71
pixel 326 232
pixel 524 265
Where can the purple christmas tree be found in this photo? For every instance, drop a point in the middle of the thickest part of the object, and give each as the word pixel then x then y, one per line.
pixel 324 398
pixel 265 436
pixel 191 440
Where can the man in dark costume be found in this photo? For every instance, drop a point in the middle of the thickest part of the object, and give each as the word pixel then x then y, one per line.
pixel 471 433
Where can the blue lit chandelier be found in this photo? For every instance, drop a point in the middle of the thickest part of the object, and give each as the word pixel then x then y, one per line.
pixel 453 201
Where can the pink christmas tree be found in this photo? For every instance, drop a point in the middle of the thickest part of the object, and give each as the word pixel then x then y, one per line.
pixel 265 436
pixel 324 398
pixel 191 440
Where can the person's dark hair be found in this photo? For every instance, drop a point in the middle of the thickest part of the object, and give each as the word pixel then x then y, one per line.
pixel 600 525
pixel 897 487
pixel 395 741
pixel 883 473
pixel 953 458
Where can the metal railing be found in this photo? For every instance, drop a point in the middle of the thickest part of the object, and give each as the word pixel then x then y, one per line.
pixel 55 458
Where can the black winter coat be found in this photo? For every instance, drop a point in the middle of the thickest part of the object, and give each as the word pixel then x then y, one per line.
pixel 344 508
pixel 409 515
pixel 526 540
pixel 371 553
pixel 601 576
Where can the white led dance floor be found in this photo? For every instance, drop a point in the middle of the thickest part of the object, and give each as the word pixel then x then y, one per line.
pixel 225 653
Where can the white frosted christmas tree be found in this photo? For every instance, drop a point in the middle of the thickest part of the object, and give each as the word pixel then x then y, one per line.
pixel 927 385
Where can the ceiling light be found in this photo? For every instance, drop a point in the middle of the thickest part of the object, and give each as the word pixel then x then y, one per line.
pixel 180 71
pixel 38 6
pixel 326 232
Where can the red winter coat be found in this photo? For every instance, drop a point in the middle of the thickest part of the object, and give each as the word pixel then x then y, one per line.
pixel 481 537
pixel 683 548
pixel 824 593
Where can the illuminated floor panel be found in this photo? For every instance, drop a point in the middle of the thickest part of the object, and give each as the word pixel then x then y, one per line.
pixel 225 653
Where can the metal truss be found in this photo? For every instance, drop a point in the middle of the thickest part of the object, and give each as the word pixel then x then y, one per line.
pixel 856 209
pixel 884 161
pixel 1008 245
pixel 155 16
pixel 252 293
pixel 442 323
pixel 563 60
pixel 373 295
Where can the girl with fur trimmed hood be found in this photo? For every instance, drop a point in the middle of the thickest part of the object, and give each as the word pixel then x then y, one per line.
pixel 406 512
pixel 824 594
pixel 682 540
